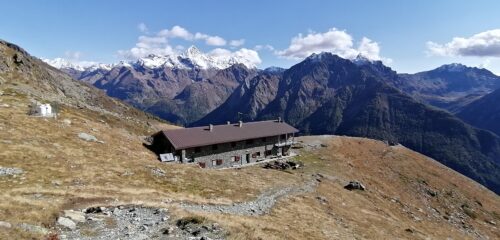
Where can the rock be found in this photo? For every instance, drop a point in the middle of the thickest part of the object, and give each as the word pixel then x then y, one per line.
pixel 491 222
pixel 158 172
pixel 5 105
pixel 354 185
pixel 75 215
pixel 87 137
pixel 93 210
pixel 5 224
pixel 323 145
pixel 67 121
pixel 431 192
pixel 56 182
pixel 7 171
pixel 322 199
pixel 409 230
pixel 66 222
pixel 282 165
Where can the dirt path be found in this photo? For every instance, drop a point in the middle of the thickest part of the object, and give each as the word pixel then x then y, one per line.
pixel 262 205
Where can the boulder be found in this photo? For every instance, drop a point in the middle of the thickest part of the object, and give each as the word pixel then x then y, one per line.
pixel 5 224
pixel 66 222
pixel 67 122
pixel 354 185
pixel 158 172
pixel 282 165
pixel 8 171
pixel 87 137
pixel 93 210
pixel 76 216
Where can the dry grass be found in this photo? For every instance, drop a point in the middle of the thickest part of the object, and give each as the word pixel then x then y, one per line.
pixel 64 172
pixel 389 173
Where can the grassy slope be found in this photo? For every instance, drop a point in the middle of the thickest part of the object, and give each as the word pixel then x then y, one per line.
pixel 71 173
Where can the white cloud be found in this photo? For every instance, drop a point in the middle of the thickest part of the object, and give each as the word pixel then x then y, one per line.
pixel 146 45
pixel 484 44
pixel 176 32
pixel 243 54
pixel 237 43
pixel 215 41
pixel 143 28
pixel 369 49
pixel 210 40
pixel 264 47
pixel 159 43
pixel 335 41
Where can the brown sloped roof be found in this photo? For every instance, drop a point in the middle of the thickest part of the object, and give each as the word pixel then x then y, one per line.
pixel 201 136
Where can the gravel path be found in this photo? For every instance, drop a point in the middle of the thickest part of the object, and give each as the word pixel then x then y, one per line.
pixel 262 205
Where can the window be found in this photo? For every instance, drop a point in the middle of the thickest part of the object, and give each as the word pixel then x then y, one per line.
pixel 202 164
pixel 197 149
pixel 257 154
pixel 215 147
pixel 233 144
pixel 235 158
pixel 217 162
pixel 249 141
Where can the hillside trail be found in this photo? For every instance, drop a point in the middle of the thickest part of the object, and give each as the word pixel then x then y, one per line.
pixel 263 204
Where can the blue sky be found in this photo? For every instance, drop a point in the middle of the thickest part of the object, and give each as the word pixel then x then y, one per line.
pixel 398 32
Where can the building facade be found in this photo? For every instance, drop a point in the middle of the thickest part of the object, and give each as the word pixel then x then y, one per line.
pixel 227 145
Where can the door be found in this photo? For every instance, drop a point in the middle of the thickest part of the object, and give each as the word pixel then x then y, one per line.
pixel 247 158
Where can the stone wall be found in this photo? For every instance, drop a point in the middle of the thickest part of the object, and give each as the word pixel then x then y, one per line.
pixel 226 154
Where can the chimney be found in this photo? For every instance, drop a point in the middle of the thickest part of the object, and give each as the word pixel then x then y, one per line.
pixel 240 124
pixel 210 127
pixel 228 123
pixel 279 119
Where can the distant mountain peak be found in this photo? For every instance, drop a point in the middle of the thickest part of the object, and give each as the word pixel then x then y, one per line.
pixel 319 56
pixel 62 63
pixel 453 67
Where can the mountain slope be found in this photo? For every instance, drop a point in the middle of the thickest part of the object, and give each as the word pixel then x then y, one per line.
pixel 248 99
pixel 450 86
pixel 27 75
pixel 484 112
pixel 181 91
pixel 326 94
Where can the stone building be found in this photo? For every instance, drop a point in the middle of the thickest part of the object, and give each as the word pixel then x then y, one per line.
pixel 218 146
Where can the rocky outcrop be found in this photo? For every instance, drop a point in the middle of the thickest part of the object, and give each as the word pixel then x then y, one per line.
pixel 134 222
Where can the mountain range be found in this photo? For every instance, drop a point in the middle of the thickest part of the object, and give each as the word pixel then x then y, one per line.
pixel 324 94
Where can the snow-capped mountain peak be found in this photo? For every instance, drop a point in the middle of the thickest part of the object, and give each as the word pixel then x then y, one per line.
pixel 62 63
pixel 192 58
